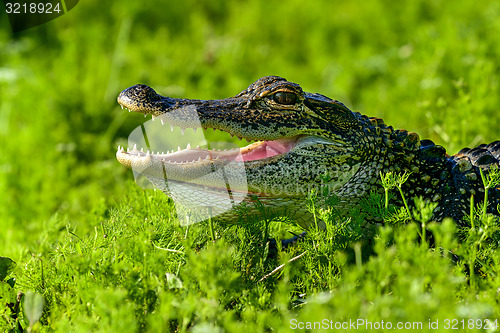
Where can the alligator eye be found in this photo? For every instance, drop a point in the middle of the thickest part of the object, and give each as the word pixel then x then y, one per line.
pixel 285 97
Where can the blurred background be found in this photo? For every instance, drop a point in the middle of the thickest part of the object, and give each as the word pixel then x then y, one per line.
pixel 429 66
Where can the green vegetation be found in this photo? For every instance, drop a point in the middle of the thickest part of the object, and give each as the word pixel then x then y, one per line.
pixel 95 252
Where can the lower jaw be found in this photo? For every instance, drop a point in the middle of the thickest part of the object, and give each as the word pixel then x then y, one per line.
pixel 253 152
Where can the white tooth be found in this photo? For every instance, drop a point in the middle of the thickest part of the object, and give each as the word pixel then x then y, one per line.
pixel 129 110
pixel 171 127
pixel 179 148
pixel 148 154
pixel 145 115
pixel 121 106
pixel 135 147
pixel 194 130
pixel 188 146
pixel 162 122
pixel 198 147
pixel 208 157
pixel 182 130
pixel 128 149
pixel 199 159
pixel 142 150
pixel 153 117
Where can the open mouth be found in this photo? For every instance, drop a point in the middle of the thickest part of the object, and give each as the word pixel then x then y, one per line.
pixel 256 150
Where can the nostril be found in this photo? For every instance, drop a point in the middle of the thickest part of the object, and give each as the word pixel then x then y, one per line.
pixel 141 87
pixel 142 91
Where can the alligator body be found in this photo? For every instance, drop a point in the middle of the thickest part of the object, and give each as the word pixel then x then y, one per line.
pixel 299 137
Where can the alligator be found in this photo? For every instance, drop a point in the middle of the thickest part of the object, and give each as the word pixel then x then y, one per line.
pixel 302 141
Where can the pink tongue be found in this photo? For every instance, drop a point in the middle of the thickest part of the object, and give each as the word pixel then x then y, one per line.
pixel 281 145
pixel 269 149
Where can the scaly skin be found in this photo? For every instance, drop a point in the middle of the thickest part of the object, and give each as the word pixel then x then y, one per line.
pixel 310 135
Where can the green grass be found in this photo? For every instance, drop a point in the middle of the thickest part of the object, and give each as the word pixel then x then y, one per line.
pixel 105 255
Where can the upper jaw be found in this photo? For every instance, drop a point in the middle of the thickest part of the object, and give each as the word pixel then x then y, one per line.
pixel 230 115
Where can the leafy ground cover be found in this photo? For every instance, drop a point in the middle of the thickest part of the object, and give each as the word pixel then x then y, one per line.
pixel 91 251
